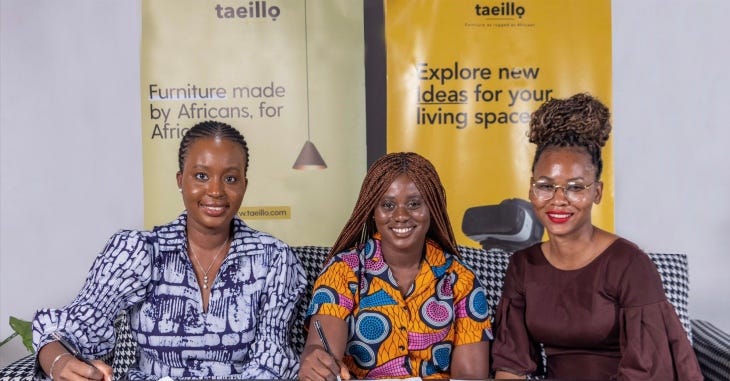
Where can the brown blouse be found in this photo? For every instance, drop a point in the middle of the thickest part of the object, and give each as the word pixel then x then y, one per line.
pixel 607 320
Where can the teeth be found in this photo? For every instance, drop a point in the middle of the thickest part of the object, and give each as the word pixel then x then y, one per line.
pixel 402 230
pixel 553 215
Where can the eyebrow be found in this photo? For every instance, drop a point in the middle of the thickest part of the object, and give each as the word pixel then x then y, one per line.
pixel 227 169
pixel 572 180
pixel 410 197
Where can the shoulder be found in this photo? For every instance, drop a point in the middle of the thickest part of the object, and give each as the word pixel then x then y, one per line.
pixel 632 273
pixel 531 255
pixel 250 240
pixel 458 265
pixel 623 253
pixel 130 239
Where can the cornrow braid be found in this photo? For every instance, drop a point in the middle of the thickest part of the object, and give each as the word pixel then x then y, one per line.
pixel 377 181
pixel 210 129
pixel 579 121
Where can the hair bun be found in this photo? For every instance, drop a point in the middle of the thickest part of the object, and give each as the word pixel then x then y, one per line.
pixel 580 120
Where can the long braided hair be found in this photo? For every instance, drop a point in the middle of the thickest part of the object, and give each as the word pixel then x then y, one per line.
pixel 579 121
pixel 211 129
pixel 377 181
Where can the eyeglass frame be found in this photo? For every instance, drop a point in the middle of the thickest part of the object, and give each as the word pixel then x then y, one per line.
pixel 566 192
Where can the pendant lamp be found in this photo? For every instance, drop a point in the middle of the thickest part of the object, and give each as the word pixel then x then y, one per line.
pixel 309 157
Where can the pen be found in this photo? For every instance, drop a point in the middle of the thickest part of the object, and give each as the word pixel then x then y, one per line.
pixel 322 337
pixel 325 344
pixel 70 348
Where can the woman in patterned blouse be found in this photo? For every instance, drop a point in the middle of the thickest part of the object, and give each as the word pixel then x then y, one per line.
pixel 207 295
pixel 394 298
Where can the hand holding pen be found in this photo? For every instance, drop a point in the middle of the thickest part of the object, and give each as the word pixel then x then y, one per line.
pixel 98 371
pixel 325 344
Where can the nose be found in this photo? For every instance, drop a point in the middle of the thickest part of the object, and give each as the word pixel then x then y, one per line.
pixel 215 188
pixel 561 196
pixel 401 213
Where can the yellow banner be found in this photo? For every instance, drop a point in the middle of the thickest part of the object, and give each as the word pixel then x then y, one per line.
pixel 284 72
pixel 464 76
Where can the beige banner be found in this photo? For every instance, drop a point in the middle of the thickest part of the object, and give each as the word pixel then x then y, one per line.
pixel 284 72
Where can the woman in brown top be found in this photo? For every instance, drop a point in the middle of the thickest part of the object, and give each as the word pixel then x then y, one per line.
pixel 592 299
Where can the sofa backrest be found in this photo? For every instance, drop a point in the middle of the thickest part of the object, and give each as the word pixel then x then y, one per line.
pixel 489 265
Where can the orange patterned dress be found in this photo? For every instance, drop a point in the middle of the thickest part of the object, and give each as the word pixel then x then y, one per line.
pixel 392 336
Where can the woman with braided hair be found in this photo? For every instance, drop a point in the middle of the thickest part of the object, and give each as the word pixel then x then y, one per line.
pixel 592 299
pixel 394 298
pixel 207 296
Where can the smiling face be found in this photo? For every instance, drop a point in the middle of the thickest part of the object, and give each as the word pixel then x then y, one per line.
pixel 562 166
pixel 213 182
pixel 402 218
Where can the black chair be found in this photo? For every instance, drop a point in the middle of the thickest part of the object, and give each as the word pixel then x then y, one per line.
pixel 510 225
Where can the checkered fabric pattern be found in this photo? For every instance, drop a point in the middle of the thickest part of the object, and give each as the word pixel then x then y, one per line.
pixel 312 260
pixel 125 348
pixel 490 267
pixel 674 271
pixel 21 370
pixel 712 347
pixel 711 344
pixel 123 356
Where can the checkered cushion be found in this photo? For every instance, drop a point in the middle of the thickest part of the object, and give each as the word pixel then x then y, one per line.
pixel 712 347
pixel 125 347
pixel 123 355
pixel 21 370
pixel 674 271
pixel 312 259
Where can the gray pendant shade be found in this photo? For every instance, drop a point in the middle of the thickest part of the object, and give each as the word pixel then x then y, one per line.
pixel 309 158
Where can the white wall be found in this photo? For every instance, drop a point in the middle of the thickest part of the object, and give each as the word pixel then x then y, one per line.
pixel 70 144
pixel 672 162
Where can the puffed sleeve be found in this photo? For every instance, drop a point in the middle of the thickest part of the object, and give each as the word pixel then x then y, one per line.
pixel 513 350
pixel 654 346
pixel 118 279
pixel 271 354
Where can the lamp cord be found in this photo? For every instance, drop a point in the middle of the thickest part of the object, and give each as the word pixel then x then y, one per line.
pixel 306 63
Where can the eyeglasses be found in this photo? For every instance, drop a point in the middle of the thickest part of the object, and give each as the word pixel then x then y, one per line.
pixel 573 192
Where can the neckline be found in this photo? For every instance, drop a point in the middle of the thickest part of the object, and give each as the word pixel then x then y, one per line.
pixel 593 261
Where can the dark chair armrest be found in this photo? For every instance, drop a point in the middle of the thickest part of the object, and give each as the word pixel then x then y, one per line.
pixel 712 347
pixel 20 370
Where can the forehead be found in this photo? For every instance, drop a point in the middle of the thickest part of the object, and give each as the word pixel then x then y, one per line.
pixel 209 149
pixel 565 163
pixel 402 185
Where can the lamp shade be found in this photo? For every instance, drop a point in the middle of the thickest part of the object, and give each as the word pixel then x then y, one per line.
pixel 309 158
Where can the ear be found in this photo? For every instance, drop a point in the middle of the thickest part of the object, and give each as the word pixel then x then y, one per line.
pixel 599 192
pixel 179 179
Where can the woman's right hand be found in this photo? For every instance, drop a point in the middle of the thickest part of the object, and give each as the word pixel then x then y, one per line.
pixel 60 365
pixel 318 365
pixel 69 368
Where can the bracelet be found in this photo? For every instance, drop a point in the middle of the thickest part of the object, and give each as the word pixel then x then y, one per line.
pixel 53 364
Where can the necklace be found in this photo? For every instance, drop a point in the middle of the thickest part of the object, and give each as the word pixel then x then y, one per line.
pixel 205 273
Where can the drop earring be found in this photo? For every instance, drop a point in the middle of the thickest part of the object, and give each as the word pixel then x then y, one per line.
pixel 364 236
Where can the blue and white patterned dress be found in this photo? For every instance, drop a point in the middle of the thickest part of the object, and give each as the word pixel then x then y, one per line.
pixel 244 334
